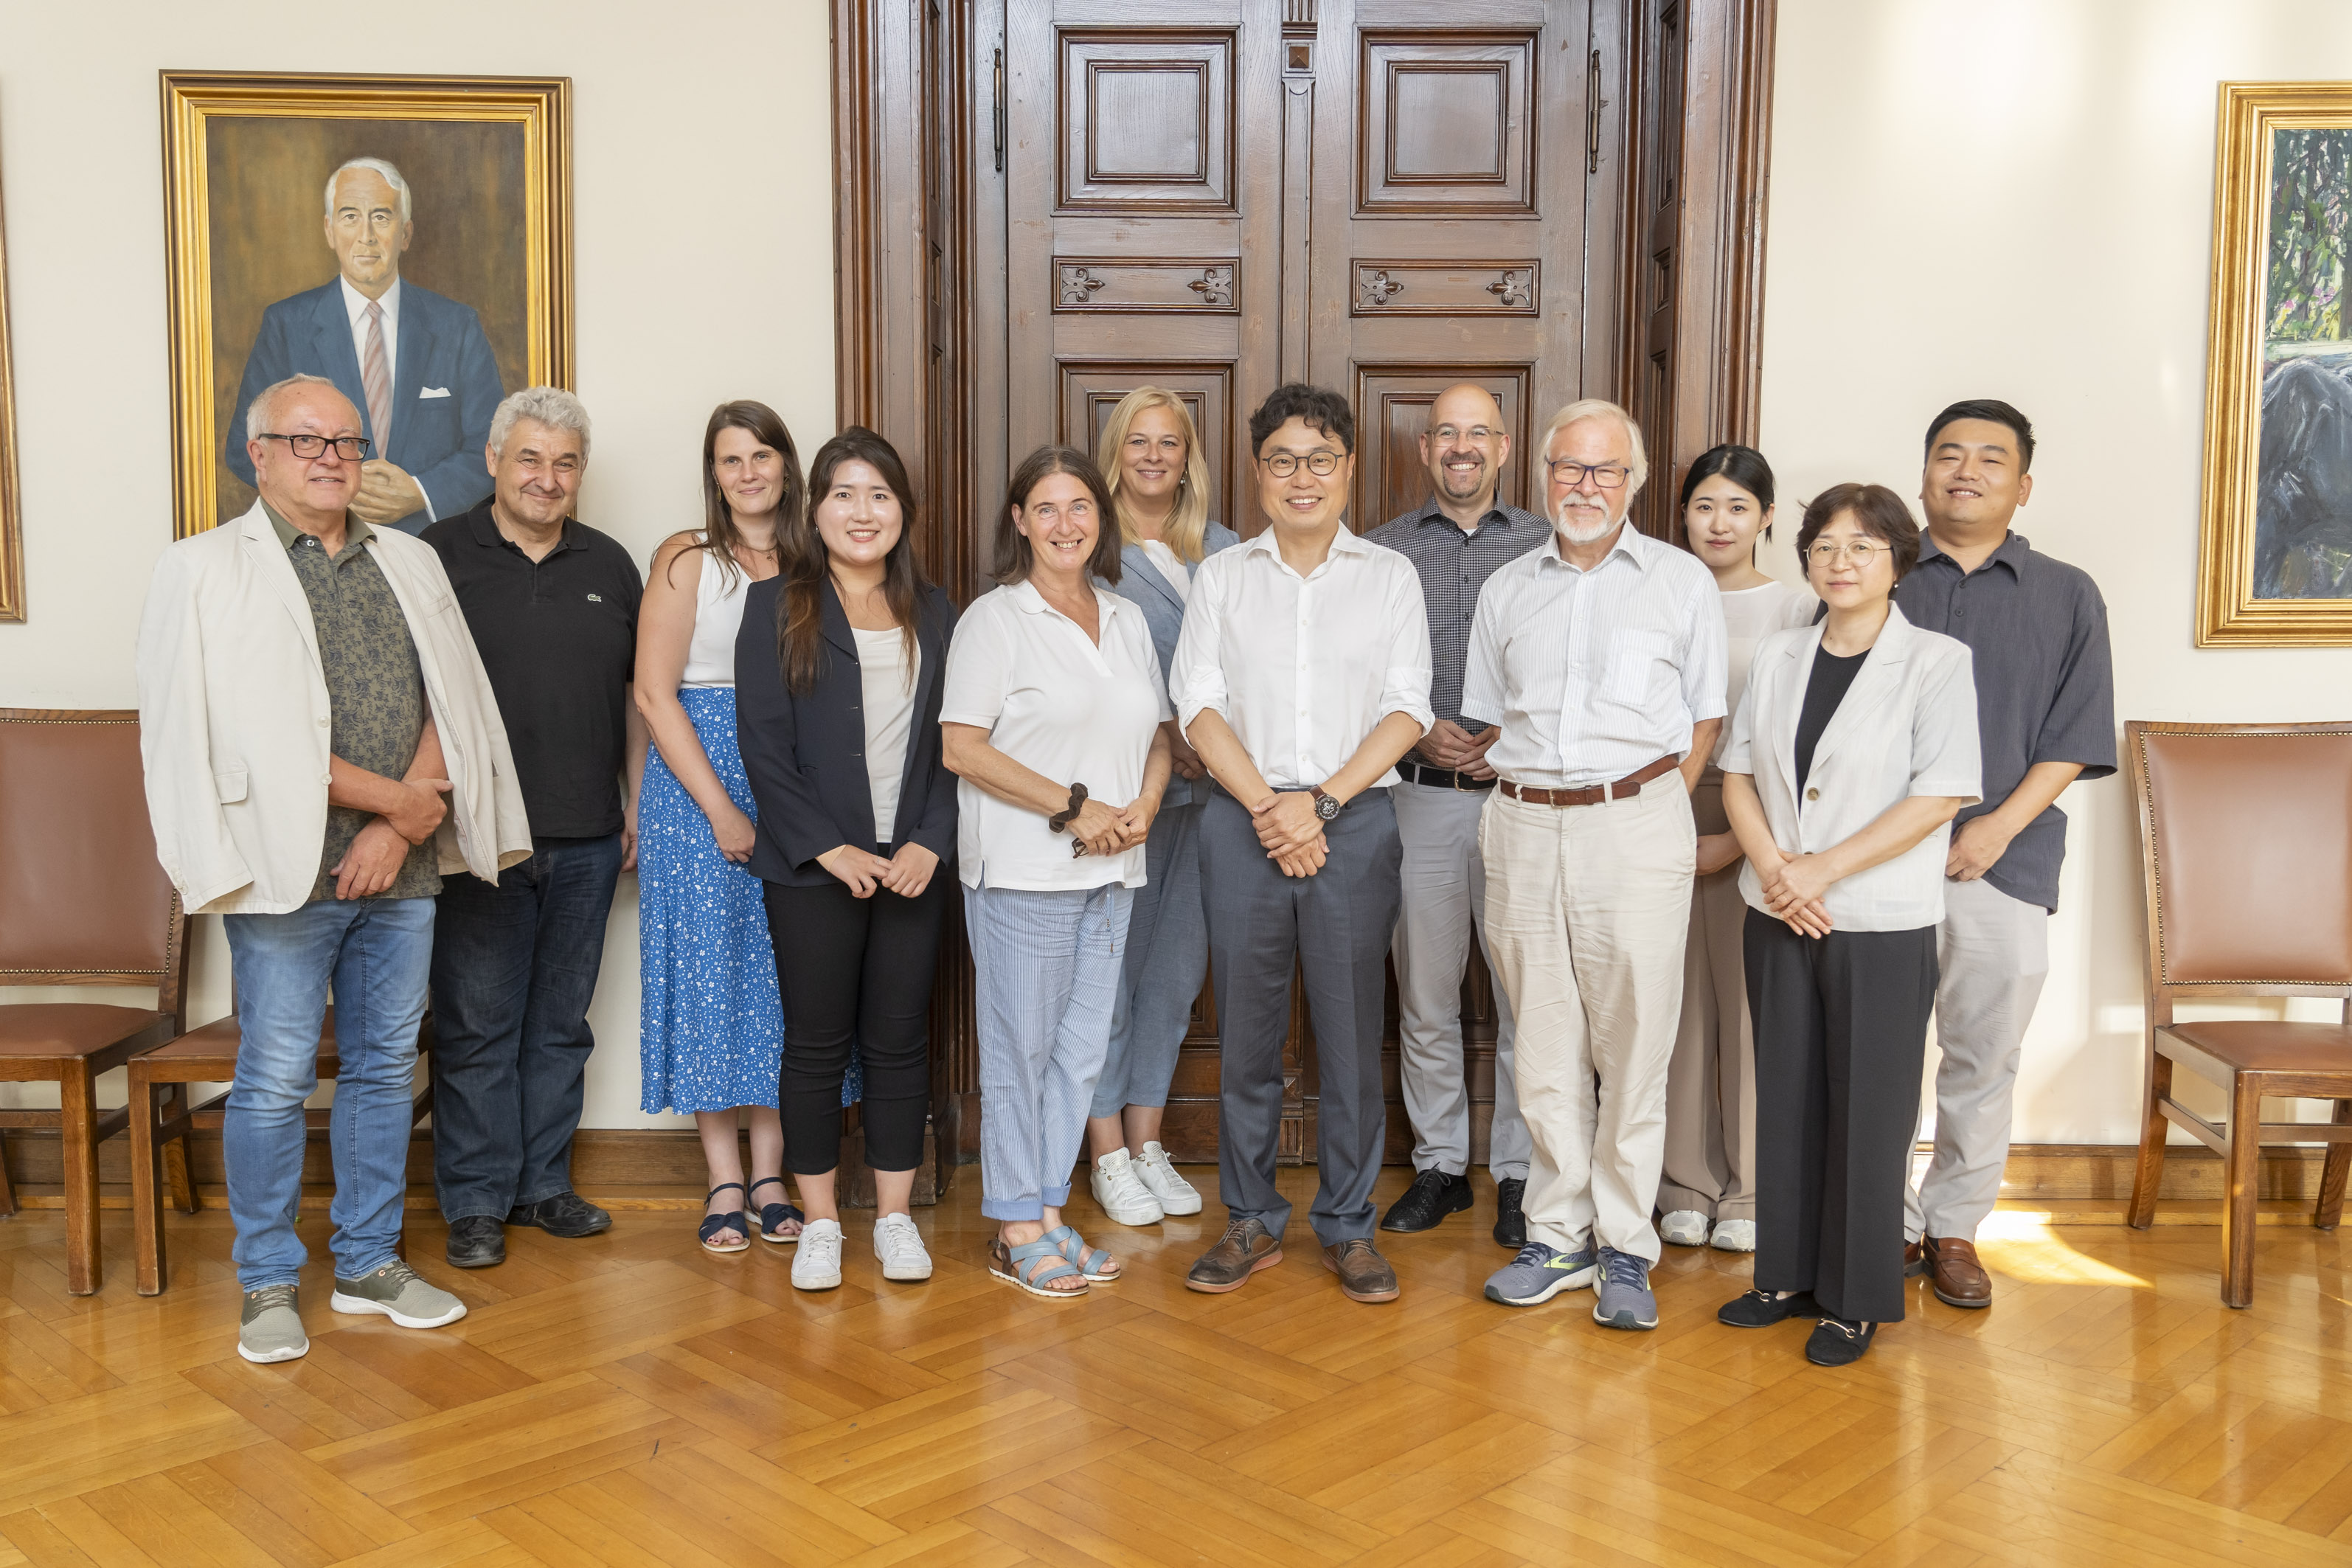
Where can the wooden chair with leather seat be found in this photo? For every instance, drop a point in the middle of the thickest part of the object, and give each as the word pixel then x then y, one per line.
pixel 82 902
pixel 2246 849
pixel 162 1117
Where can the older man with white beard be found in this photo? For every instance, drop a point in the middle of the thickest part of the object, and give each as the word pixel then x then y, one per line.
pixel 1602 656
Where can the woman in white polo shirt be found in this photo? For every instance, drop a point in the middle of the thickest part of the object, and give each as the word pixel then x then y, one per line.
pixel 1854 748
pixel 1052 720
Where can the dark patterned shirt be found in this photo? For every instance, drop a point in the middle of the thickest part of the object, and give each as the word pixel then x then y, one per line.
pixel 1454 566
pixel 375 690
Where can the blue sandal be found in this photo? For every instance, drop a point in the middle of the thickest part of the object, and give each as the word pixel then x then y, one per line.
pixel 1033 1267
pixel 1097 1267
pixel 712 1223
pixel 773 1214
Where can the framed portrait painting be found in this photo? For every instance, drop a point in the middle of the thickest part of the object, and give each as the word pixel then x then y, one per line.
pixel 407 238
pixel 2275 566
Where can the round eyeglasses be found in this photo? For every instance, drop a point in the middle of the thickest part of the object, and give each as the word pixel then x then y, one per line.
pixel 1282 465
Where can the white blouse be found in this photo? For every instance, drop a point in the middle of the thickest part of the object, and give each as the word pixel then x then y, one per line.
pixel 887 677
pixel 717 616
pixel 1171 566
pixel 1053 702
pixel 1749 616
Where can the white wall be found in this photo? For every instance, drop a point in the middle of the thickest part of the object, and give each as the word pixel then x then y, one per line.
pixel 2013 199
pixel 703 266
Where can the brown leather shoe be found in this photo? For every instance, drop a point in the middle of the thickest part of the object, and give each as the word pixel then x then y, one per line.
pixel 1364 1274
pixel 1960 1280
pixel 1244 1248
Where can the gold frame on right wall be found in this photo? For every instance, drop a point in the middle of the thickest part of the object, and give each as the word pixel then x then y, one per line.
pixel 2260 335
pixel 12 511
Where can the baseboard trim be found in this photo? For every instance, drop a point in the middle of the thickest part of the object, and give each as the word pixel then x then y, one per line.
pixel 654 1161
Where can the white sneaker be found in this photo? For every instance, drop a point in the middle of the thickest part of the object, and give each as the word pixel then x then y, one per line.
pixel 899 1245
pixel 816 1265
pixel 1684 1228
pixel 1176 1195
pixel 1734 1235
pixel 1121 1189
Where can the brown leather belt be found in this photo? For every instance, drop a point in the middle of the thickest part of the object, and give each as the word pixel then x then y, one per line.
pixel 1593 794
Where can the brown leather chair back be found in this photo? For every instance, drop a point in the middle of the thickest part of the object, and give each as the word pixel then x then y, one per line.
pixel 2247 838
pixel 83 899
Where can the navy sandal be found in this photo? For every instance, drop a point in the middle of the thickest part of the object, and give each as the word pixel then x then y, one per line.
pixel 712 1223
pixel 773 1214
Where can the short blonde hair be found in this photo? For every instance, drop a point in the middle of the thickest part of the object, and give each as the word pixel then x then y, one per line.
pixel 1188 525
pixel 1586 408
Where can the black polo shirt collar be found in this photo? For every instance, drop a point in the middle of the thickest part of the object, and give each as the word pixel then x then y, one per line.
pixel 484 528
pixel 2011 552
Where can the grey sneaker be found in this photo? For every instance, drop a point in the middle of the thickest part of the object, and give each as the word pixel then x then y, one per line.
pixel 1538 1273
pixel 396 1292
pixel 271 1327
pixel 1625 1300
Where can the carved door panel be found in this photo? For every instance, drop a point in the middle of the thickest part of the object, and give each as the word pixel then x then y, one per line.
pixel 1218 196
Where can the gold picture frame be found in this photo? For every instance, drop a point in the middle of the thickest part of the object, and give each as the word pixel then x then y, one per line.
pixel 245 154
pixel 2274 568
pixel 12 513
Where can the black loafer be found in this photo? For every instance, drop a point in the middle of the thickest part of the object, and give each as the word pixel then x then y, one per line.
pixel 476 1241
pixel 567 1215
pixel 1837 1342
pixel 1762 1309
pixel 1510 1220
pixel 1433 1195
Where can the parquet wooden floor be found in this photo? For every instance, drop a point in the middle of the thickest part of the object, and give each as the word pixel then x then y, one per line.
pixel 629 1400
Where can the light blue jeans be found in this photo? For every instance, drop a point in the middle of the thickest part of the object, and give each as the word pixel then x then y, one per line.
pixel 1046 973
pixel 1167 964
pixel 378 953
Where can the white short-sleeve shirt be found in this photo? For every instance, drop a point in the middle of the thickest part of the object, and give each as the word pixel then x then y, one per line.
pixel 1055 703
pixel 1907 726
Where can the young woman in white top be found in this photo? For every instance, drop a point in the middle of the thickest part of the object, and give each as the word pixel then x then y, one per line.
pixel 1706 1191
pixel 712 1024
pixel 1855 747
pixel 1159 479
pixel 838 703
pixel 1053 719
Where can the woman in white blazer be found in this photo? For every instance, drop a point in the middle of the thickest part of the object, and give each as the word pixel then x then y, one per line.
pixel 1854 748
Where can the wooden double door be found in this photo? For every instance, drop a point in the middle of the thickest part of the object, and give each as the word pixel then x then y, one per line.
pixel 1217 196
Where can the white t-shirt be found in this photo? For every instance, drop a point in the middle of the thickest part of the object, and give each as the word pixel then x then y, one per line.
pixel 1055 703
pixel 1749 616
pixel 1171 566
pixel 887 679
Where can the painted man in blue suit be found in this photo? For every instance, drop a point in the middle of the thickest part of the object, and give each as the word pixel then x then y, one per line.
pixel 415 363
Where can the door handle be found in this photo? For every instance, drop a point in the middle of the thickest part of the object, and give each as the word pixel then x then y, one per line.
pixel 996 117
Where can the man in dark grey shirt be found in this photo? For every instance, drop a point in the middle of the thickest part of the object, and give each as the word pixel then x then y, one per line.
pixel 2045 710
pixel 1455 540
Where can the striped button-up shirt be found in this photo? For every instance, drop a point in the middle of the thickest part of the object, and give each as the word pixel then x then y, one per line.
pixel 1594 675
pixel 1454 566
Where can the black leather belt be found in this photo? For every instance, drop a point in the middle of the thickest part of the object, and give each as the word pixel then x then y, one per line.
pixel 1439 778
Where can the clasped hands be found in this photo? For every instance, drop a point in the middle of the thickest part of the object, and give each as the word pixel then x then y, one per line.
pixel 906 873
pixel 376 857
pixel 1103 829
pixel 1793 888
pixel 1448 745
pixel 1293 835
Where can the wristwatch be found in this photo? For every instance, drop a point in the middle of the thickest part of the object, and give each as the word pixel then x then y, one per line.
pixel 1327 806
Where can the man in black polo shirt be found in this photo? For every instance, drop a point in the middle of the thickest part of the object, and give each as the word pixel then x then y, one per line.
pixel 552 604
pixel 1455 540
pixel 2046 713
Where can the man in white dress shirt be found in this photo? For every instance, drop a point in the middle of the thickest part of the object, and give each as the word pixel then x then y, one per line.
pixel 1601 654
pixel 1302 675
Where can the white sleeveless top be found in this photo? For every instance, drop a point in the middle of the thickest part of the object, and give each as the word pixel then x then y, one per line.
pixel 717 616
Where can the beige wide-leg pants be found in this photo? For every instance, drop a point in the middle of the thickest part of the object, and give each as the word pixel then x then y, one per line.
pixel 1586 910
pixel 1711 1086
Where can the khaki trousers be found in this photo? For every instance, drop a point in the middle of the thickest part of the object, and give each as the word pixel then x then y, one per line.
pixel 1588 908
pixel 1711 1086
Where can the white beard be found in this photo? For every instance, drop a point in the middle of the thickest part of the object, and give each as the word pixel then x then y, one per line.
pixel 1576 535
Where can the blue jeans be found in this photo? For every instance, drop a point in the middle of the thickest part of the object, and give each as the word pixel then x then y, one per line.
pixel 514 967
pixel 1167 964
pixel 1046 968
pixel 376 953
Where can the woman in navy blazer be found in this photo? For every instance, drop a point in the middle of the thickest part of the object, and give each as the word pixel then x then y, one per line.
pixel 1150 457
pixel 837 676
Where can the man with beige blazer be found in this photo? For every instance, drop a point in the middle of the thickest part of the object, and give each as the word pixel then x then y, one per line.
pixel 321 746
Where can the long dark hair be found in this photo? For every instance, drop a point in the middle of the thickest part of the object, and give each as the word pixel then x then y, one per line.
pixel 720 534
pixel 808 566
pixel 1015 559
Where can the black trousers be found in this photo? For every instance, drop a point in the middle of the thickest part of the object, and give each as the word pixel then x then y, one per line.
pixel 855 972
pixel 1840 1034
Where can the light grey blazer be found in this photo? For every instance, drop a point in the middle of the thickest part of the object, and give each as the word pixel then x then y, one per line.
pixel 1163 611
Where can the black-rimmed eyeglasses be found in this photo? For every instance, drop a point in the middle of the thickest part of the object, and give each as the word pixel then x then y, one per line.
pixel 1282 465
pixel 1608 475
pixel 353 448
